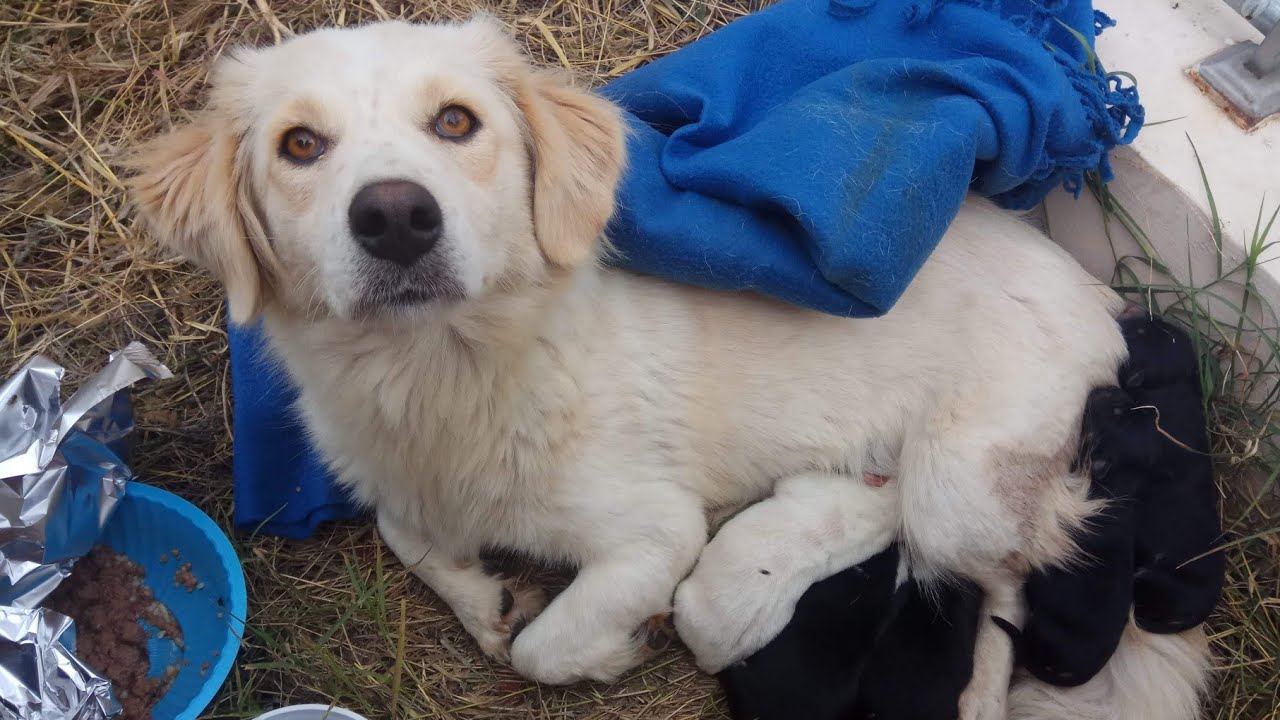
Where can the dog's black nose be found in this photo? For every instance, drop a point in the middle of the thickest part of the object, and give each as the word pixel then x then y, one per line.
pixel 395 220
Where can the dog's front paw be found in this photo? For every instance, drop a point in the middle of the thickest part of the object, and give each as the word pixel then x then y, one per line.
pixel 555 655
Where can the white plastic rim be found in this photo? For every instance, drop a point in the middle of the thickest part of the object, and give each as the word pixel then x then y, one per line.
pixel 310 712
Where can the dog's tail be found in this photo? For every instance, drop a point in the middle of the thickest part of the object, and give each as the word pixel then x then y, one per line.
pixel 1150 677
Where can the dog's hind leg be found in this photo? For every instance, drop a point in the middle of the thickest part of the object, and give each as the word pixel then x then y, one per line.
pixel 985 697
pixel 491 609
pixel 989 513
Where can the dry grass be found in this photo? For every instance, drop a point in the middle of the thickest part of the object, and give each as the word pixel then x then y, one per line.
pixel 333 619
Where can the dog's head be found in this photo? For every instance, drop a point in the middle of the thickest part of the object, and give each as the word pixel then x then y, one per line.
pixel 384 171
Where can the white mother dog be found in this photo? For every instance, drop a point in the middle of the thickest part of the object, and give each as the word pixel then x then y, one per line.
pixel 416 214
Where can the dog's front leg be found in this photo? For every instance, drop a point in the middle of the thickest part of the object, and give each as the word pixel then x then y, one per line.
pixel 613 615
pixel 490 608
pixel 745 587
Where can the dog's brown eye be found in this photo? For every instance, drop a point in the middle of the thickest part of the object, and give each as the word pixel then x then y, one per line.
pixel 455 122
pixel 301 145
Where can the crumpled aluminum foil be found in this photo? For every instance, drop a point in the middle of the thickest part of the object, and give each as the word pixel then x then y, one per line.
pixel 62 472
pixel 39 675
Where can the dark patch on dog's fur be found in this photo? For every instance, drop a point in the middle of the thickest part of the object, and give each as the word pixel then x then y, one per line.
pixel 1020 479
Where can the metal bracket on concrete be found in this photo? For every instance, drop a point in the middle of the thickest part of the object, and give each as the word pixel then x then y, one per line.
pixel 1245 77
pixel 1262 14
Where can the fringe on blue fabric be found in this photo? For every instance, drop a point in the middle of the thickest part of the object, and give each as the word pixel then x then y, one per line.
pixel 1114 110
pixel 815 152
pixel 842 136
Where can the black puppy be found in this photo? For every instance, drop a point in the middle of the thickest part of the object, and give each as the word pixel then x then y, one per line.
pixel 1177 511
pixel 810 671
pixel 924 660
pixel 856 649
pixel 1077 614
pixel 820 660
pixel 1147 448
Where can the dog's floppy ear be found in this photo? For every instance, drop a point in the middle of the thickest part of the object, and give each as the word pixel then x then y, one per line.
pixel 576 141
pixel 187 187
pixel 578 152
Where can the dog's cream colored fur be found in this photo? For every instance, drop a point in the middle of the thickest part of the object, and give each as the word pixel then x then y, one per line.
pixel 1150 677
pixel 588 415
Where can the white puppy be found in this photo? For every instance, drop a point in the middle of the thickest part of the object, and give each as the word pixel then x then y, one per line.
pixel 416 214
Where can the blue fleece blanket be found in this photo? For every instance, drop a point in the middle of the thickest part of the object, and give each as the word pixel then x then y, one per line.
pixel 815 151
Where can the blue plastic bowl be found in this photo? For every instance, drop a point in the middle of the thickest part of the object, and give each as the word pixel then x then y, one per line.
pixel 148 525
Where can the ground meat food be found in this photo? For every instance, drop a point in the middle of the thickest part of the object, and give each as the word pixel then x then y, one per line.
pixel 185 579
pixel 106 596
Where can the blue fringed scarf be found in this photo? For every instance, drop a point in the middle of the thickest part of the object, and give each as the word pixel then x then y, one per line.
pixel 815 151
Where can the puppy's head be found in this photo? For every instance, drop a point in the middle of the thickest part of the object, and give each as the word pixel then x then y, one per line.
pixel 384 171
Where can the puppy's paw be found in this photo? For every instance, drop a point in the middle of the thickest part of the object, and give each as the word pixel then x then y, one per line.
pixel 516 608
pixel 552 655
pixel 520 605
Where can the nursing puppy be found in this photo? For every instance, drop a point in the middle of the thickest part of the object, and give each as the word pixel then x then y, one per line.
pixel 1077 614
pixel 416 214
pixel 864 645
pixel 1178 578
pixel 812 669
pixel 923 662
pixel 852 645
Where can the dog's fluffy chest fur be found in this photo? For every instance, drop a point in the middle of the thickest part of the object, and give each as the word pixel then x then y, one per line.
pixel 415 422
